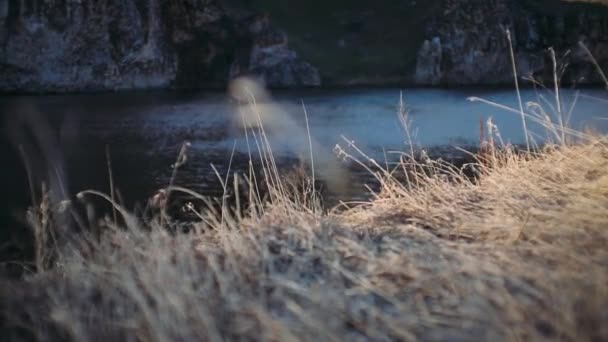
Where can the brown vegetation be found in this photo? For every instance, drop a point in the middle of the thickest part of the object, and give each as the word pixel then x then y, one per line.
pixel 517 253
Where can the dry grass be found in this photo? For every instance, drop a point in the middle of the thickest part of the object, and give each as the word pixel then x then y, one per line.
pixel 517 252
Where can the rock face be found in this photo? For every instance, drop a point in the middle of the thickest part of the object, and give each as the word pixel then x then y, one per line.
pixel 428 65
pixel 270 59
pixel 467 45
pixel 89 45
pixel 133 44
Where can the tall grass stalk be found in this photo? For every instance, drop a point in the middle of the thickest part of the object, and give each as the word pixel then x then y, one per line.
pixel 516 252
pixel 598 68
pixel 558 103
pixel 111 181
pixel 516 80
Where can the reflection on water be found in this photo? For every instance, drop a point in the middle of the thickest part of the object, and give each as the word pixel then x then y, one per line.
pixel 144 131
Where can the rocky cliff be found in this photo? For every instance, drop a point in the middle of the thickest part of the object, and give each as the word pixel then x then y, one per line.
pixel 87 45
pixel 267 55
pixel 466 43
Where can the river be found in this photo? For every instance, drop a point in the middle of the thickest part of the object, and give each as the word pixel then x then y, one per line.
pixel 143 132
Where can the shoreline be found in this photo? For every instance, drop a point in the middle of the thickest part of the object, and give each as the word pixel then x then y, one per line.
pixel 329 88
pixel 517 255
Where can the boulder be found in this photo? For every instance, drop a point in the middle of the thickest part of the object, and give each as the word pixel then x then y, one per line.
pixel 75 46
pixel 59 46
pixel 428 66
pixel 466 44
pixel 270 59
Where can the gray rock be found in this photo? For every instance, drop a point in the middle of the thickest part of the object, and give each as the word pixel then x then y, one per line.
pixel 271 60
pixel 57 46
pixel 467 44
pixel 428 66
pixel 85 46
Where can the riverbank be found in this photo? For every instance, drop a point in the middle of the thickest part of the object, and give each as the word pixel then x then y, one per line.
pixel 515 253
pixel 356 85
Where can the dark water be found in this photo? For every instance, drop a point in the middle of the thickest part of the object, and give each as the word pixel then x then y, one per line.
pixel 65 137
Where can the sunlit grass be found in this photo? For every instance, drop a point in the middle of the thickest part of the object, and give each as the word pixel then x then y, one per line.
pixel 509 247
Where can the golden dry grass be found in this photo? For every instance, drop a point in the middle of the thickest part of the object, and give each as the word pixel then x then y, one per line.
pixel 516 254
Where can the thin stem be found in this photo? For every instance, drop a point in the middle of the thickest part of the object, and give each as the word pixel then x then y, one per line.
pixel 521 105
pixel 312 162
pixel 111 178
pixel 595 63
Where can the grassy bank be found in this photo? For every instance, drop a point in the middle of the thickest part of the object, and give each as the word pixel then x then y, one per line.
pixel 515 253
